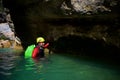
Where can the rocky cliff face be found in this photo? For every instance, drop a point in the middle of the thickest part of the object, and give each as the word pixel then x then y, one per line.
pixel 8 39
pixel 53 19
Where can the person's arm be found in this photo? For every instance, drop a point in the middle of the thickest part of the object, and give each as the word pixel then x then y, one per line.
pixel 46 45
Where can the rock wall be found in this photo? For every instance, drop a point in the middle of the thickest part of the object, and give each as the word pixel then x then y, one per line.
pixel 8 39
pixel 46 18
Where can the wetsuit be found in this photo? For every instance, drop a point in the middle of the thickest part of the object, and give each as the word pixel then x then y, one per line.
pixel 39 50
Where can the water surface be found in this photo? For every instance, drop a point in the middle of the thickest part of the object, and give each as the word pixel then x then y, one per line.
pixel 54 67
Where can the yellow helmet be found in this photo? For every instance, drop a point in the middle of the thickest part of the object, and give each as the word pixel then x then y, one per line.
pixel 40 39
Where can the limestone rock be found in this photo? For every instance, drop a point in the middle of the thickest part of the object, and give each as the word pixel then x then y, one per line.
pixel 5 44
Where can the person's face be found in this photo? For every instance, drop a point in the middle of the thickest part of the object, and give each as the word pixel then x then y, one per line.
pixel 41 43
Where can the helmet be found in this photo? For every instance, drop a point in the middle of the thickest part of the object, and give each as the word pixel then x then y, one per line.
pixel 40 39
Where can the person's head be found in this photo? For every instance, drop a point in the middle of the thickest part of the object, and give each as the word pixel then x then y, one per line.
pixel 40 39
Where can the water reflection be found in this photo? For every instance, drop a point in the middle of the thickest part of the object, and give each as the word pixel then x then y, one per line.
pixel 15 67
pixel 7 63
pixel 35 64
pixel 55 67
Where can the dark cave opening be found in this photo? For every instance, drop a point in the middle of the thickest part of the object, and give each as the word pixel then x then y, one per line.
pixel 96 49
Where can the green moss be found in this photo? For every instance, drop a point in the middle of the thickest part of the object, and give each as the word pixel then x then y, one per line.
pixel 3 37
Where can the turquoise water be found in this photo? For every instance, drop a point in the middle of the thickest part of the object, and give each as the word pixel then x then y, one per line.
pixel 54 67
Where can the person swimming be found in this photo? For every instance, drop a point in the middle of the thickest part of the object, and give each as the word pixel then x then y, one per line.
pixel 39 48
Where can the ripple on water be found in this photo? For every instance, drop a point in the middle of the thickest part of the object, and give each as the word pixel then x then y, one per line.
pixel 7 61
pixel 56 67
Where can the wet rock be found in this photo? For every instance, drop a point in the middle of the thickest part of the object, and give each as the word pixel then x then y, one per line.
pixel 5 44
